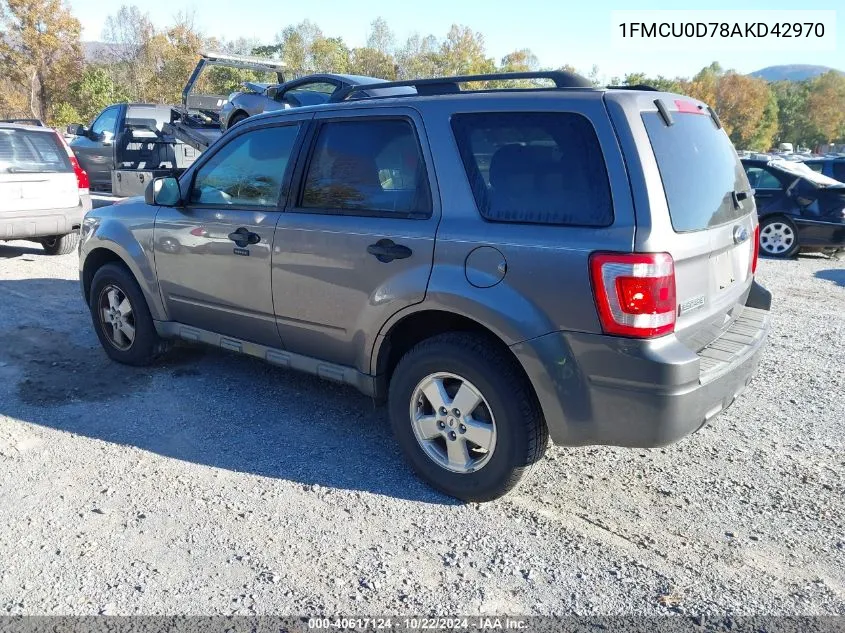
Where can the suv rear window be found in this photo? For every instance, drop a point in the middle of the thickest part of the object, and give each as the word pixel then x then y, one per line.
pixel 30 151
pixel 535 167
pixel 699 168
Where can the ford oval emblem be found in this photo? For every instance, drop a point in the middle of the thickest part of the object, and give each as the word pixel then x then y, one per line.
pixel 740 234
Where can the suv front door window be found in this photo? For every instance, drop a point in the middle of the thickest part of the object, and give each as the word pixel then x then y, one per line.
pixel 213 255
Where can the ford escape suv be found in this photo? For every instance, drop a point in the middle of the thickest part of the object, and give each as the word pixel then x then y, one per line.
pixel 499 265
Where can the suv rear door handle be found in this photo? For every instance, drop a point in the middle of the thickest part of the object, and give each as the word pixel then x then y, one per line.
pixel 386 251
pixel 243 237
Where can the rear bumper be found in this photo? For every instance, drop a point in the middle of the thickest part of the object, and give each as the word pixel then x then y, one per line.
pixel 597 389
pixel 43 223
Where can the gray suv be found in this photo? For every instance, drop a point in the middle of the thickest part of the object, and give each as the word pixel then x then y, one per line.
pixel 499 265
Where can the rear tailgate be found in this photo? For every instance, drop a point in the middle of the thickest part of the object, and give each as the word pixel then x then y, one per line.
pixel 35 173
pixel 698 207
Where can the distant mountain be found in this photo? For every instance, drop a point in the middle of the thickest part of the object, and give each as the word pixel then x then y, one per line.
pixel 791 72
pixel 96 51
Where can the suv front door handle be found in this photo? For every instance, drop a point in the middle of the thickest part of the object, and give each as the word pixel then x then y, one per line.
pixel 386 251
pixel 244 237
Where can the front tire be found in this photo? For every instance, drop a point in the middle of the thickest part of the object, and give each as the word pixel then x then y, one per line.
pixel 778 238
pixel 465 416
pixel 60 244
pixel 122 318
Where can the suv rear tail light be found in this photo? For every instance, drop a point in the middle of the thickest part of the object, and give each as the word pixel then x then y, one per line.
pixel 634 293
pixel 81 175
pixel 756 254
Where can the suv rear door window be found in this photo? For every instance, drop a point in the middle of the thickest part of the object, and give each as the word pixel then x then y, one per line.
pixel 34 152
pixel 535 167
pixel 367 167
pixel 248 171
pixel 699 168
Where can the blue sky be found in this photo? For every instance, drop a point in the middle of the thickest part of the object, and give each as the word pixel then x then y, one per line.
pixel 557 31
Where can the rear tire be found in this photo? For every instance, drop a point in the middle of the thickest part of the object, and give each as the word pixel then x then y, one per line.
pixel 237 118
pixel 60 244
pixel 500 412
pixel 122 319
pixel 779 238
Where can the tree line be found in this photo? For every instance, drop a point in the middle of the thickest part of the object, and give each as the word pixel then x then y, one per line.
pixel 44 72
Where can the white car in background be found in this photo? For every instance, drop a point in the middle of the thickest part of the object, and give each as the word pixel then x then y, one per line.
pixel 43 190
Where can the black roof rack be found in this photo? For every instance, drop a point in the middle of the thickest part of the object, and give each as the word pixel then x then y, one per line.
pixel 451 85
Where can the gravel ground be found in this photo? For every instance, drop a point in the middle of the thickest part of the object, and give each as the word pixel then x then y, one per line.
pixel 167 491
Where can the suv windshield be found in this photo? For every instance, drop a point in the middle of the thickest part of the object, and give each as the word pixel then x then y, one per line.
pixel 699 168
pixel 31 151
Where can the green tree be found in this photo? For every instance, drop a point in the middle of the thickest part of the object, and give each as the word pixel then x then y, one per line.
pixel 660 82
pixel 40 50
pixel 64 114
pixel 419 58
pixel 173 54
pixel 128 54
pixel 748 110
pixel 369 61
pixel 463 53
pixel 767 127
pixel 704 85
pixel 296 44
pixel 793 126
pixel 330 55
pixel 93 92
pixel 380 37
pixel 826 106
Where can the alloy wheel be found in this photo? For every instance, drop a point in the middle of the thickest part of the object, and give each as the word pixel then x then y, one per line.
pixel 453 422
pixel 116 317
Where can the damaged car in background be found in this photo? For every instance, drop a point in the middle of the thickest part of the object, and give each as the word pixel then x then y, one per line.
pixel 256 98
pixel 799 208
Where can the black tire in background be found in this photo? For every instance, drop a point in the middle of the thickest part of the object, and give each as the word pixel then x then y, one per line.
pixel 147 344
pixel 237 118
pixel 778 237
pixel 60 244
pixel 521 433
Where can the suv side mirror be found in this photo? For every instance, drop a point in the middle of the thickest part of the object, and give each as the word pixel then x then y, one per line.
pixel 163 192
pixel 271 92
pixel 76 129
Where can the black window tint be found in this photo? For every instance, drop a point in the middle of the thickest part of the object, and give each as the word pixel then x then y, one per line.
pixel 760 178
pixel 699 169
pixel 366 167
pixel 533 167
pixel 247 171
pixel 839 170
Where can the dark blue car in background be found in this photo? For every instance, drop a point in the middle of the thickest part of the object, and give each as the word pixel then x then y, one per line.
pixel 799 208
pixel 833 167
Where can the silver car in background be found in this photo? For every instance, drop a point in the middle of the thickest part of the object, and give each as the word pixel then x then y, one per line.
pixel 310 90
pixel 43 190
